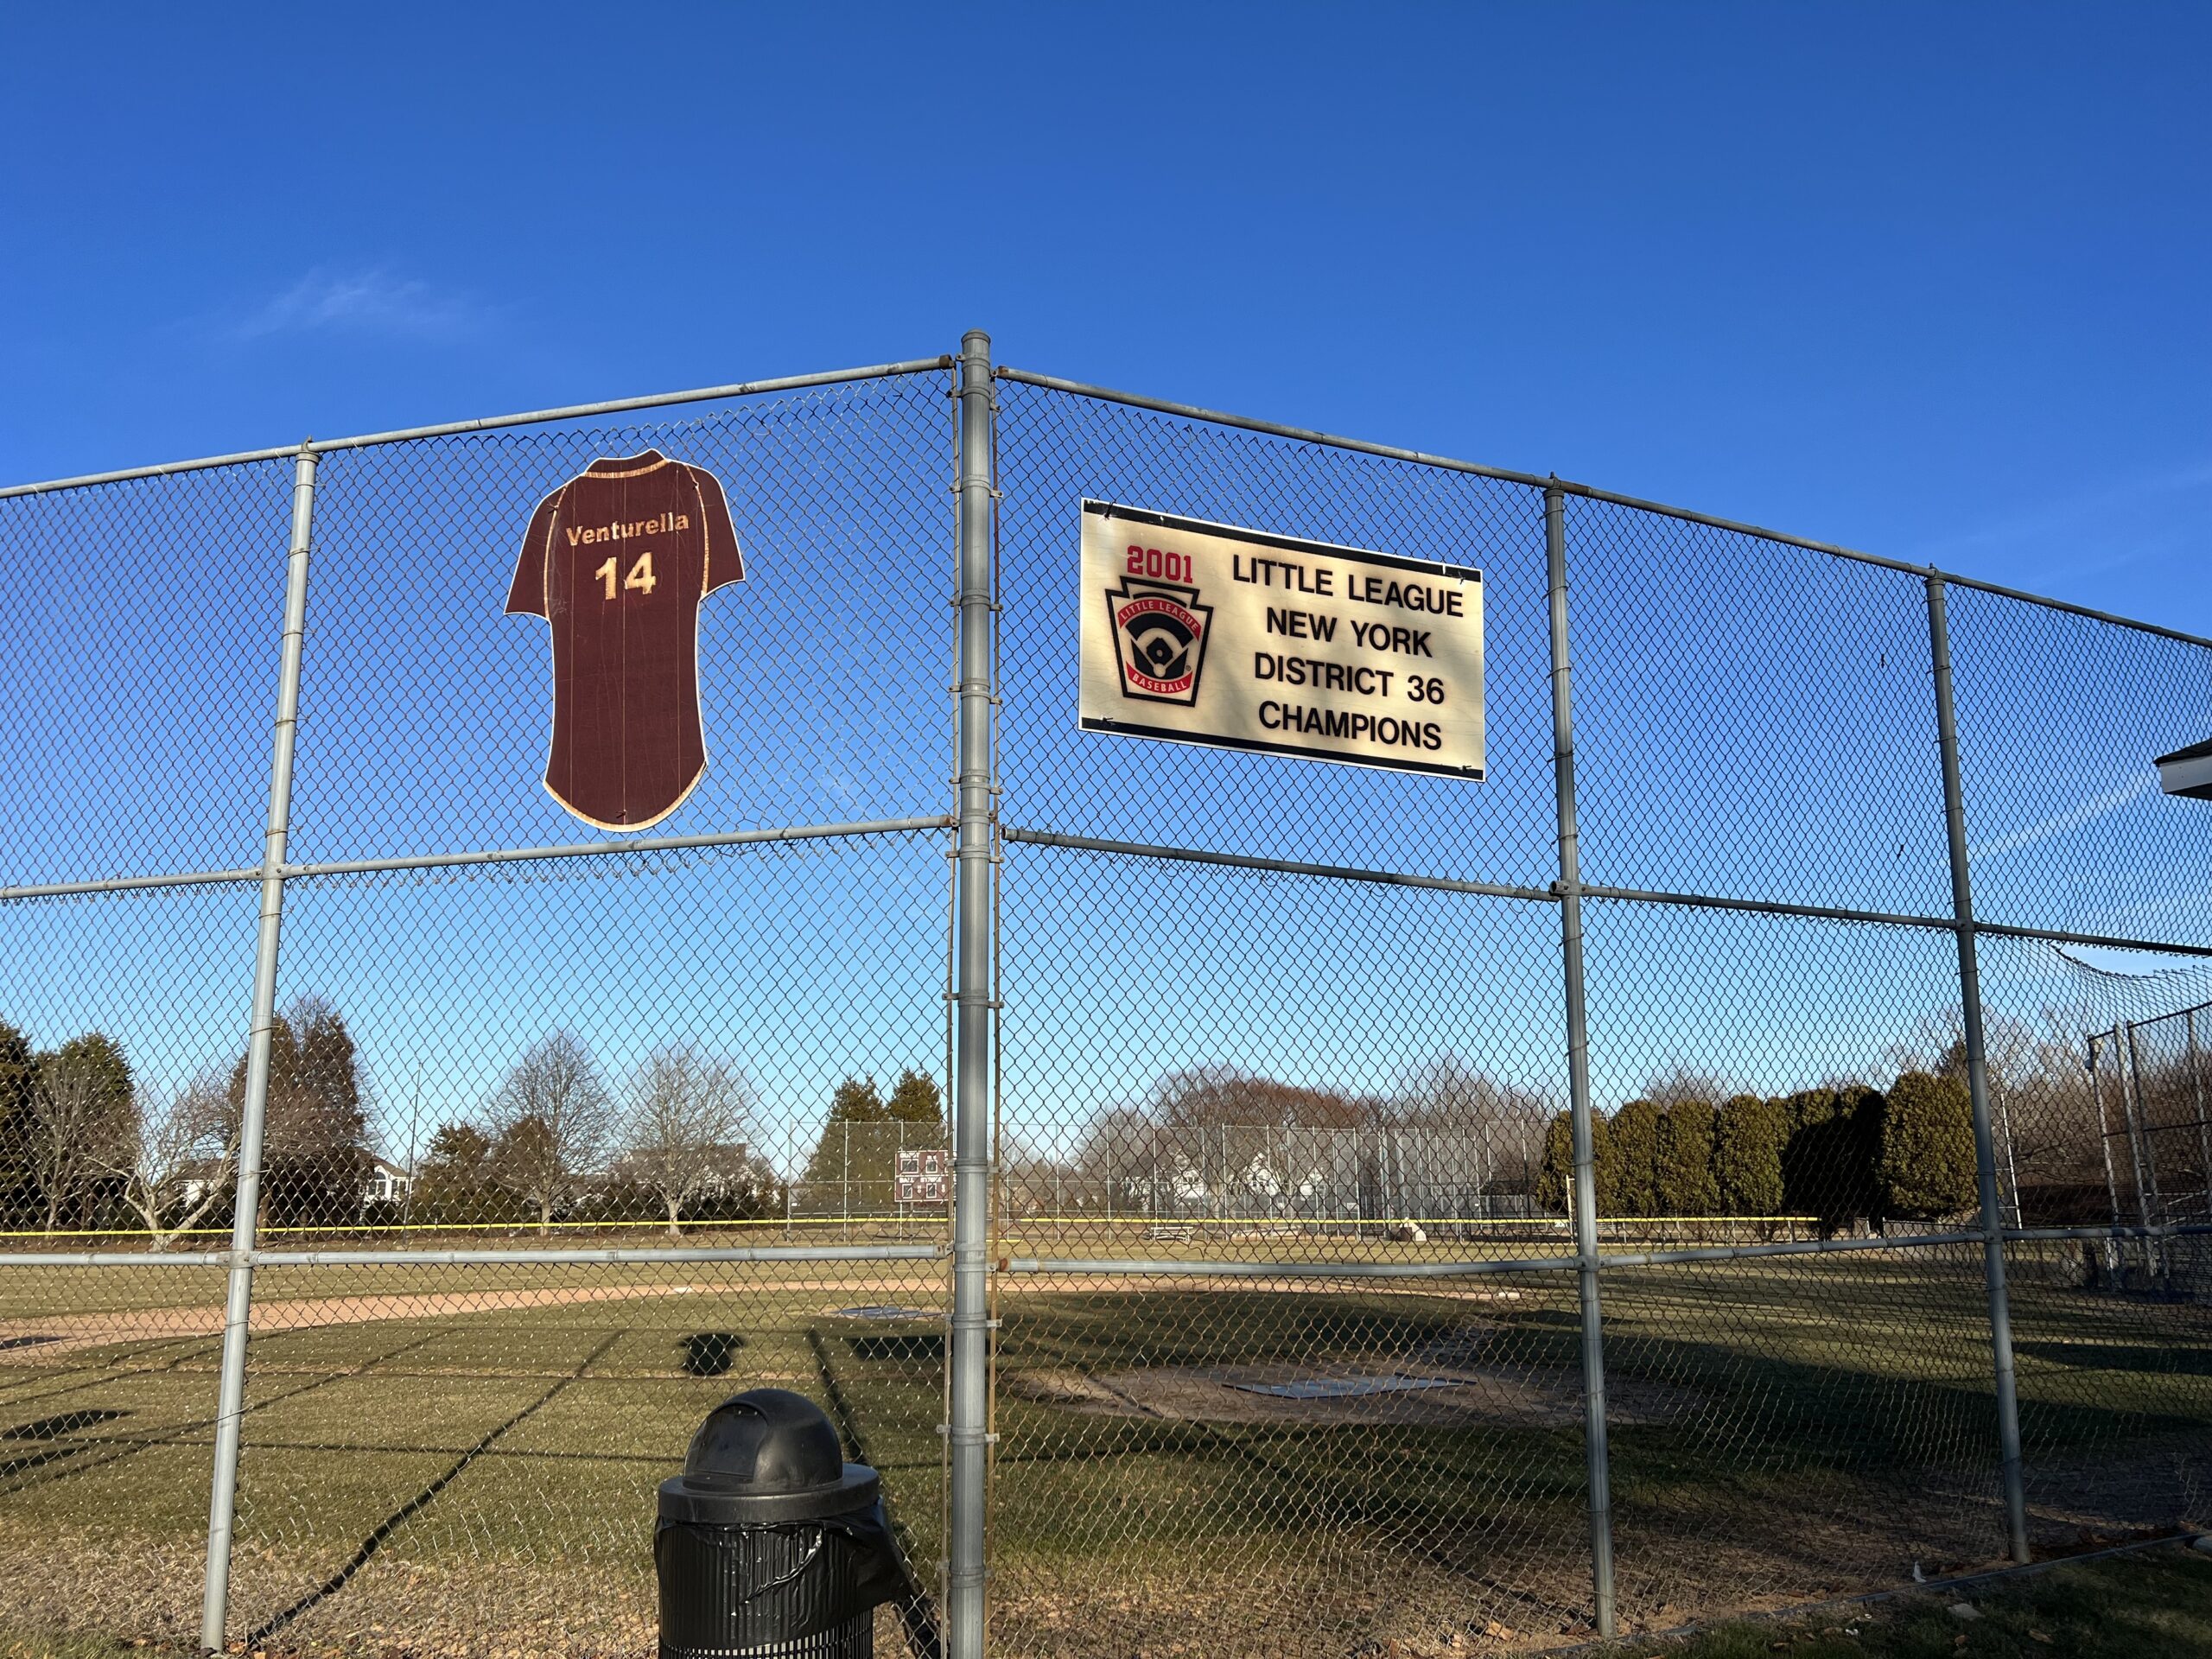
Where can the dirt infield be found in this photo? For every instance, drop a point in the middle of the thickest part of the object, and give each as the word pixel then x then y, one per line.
pixel 40 1339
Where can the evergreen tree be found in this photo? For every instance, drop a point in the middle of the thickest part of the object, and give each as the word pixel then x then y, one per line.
pixel 856 1100
pixel 315 1135
pixel 1555 1179
pixel 1927 1167
pixel 1635 1152
pixel 455 1183
pixel 1828 1164
pixel 914 1099
pixel 18 1190
pixel 1683 1183
pixel 853 1162
pixel 1605 1165
pixel 1748 1139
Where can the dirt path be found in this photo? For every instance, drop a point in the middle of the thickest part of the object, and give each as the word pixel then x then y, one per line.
pixel 74 1331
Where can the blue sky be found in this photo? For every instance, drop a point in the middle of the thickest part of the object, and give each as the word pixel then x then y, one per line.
pixel 1926 280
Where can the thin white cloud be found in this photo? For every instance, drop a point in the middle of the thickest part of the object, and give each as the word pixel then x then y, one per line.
pixel 372 302
pixel 2091 513
pixel 2087 813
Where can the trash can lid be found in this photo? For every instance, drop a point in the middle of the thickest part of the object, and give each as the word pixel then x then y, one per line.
pixel 765 1456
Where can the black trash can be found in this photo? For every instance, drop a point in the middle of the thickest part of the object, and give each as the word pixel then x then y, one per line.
pixel 770 1545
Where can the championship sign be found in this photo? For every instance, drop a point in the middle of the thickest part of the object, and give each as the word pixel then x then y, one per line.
pixel 921 1177
pixel 1238 638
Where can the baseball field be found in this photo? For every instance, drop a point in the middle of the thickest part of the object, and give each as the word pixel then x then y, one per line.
pixel 456 1459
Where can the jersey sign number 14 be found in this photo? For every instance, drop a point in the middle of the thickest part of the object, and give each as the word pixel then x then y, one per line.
pixel 640 577
pixel 619 560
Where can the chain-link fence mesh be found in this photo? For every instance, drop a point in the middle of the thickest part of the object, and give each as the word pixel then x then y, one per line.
pixel 613 1049
pixel 568 1133
pixel 107 1409
pixel 466 1457
pixel 1285 1464
pixel 1753 720
pixel 2059 716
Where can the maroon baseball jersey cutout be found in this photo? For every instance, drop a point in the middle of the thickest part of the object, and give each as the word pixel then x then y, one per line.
pixel 619 560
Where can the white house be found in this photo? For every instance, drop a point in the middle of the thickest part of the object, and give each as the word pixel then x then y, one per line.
pixel 384 1182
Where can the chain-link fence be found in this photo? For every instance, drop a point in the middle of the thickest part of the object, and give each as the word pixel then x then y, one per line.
pixel 1241 1205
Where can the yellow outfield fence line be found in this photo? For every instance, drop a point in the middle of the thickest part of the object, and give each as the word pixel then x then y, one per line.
pixel 1405 1221
pixel 788 1222
pixel 530 1227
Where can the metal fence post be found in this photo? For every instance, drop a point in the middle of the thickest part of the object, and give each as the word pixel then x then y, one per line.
pixel 2138 1108
pixel 973 994
pixel 1569 889
pixel 1985 1151
pixel 2104 1135
pixel 2196 1099
pixel 2132 1103
pixel 231 1400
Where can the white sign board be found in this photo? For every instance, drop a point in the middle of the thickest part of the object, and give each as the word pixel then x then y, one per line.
pixel 1242 639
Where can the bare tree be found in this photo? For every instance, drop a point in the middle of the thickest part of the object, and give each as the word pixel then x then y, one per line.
pixel 551 1122
pixel 180 1157
pixel 80 1111
pixel 687 1126
pixel 1462 1132
pixel 1203 1131
pixel 1685 1080
pixel 2043 1106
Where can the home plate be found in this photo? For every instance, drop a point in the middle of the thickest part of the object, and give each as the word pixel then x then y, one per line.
pixel 1343 1388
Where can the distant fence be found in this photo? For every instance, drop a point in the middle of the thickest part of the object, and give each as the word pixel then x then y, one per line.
pixel 1632 1178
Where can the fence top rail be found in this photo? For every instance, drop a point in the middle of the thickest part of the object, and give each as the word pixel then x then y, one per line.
pixel 584 1256
pixel 490 423
pixel 1532 480
pixel 1190 411
pixel 2152 1020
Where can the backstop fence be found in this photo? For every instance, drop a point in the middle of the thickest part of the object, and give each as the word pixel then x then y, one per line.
pixel 1749 1147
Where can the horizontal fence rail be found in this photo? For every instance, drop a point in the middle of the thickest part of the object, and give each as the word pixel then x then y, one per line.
pixel 487 423
pixel 572 1255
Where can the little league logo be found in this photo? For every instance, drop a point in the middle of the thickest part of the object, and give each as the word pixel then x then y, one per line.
pixel 1160 633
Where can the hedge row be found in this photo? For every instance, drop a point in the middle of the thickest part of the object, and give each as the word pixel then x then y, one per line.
pixel 1839 1155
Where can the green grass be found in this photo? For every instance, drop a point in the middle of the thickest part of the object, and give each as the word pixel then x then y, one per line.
pixel 2152 1605
pixel 1786 1431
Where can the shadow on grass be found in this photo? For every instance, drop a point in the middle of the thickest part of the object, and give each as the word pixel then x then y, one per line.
pixel 2142 1358
pixel 1713 1431
pixel 68 1423
pixel 708 1353
pixel 53 1428
pixel 175 1435
pixel 399 1517
pixel 918 1613
pixel 186 1349
pixel 904 1350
